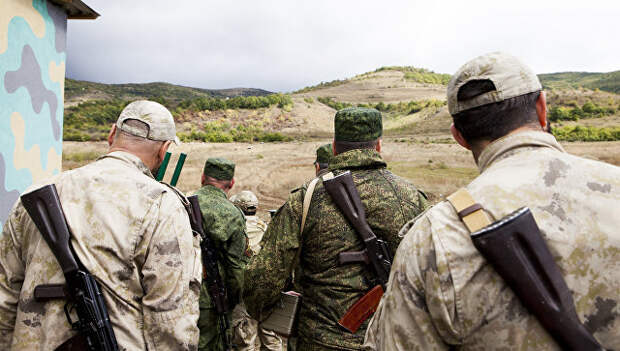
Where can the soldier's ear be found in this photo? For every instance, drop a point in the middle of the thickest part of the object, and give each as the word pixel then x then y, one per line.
pixel 378 146
pixel 541 110
pixel 161 153
pixel 111 135
pixel 232 183
pixel 459 137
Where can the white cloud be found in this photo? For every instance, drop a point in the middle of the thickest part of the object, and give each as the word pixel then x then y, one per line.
pixel 285 45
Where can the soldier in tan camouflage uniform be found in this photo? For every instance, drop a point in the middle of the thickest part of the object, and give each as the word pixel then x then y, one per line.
pixel 131 232
pixel 329 289
pixel 248 334
pixel 442 294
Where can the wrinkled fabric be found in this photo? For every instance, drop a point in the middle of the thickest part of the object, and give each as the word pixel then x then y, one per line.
pixel 132 234
pixel 328 288
pixel 225 225
pixel 255 228
pixel 247 333
pixel 442 293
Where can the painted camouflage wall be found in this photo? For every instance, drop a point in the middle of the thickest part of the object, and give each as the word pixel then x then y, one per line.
pixel 32 73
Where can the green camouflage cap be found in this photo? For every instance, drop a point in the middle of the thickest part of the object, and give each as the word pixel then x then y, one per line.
pixel 219 168
pixel 510 76
pixel 154 115
pixel 357 124
pixel 324 153
pixel 245 200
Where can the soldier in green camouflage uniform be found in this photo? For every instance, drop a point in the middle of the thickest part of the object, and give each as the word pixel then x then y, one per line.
pixel 328 288
pixel 225 225
pixel 323 154
pixel 442 294
pixel 132 234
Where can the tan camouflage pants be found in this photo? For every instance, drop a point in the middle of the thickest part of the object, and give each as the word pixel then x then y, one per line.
pixel 249 336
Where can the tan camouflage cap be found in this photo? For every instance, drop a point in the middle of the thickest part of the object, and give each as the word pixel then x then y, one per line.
pixel 509 75
pixel 245 200
pixel 156 116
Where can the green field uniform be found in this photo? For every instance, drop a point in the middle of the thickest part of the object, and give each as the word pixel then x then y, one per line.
pixel 328 288
pixel 225 225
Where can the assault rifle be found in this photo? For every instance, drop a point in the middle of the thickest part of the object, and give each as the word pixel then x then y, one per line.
pixel 82 291
pixel 376 255
pixel 515 248
pixel 215 284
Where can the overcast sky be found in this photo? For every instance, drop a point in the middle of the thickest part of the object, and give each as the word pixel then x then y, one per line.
pixel 286 45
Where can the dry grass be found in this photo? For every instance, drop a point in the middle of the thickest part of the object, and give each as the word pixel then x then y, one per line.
pixel 272 170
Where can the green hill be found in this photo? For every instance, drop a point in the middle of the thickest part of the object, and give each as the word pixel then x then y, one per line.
pixel 77 91
pixel 570 80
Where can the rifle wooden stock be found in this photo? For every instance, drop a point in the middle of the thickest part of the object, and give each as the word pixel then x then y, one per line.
pixel 361 310
pixel 519 254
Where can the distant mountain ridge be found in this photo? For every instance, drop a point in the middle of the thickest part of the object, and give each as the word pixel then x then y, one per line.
pixel 77 91
pixel 609 81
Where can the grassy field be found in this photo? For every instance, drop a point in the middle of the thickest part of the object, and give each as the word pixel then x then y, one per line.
pixel 271 170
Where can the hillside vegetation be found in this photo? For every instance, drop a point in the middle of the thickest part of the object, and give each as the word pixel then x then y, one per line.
pixel 603 81
pixel 582 106
pixel 77 91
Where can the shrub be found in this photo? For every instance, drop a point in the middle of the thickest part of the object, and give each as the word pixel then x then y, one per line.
pixel 575 112
pixel 223 132
pixel 579 133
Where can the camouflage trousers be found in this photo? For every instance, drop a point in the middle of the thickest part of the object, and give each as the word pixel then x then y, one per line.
pixel 249 336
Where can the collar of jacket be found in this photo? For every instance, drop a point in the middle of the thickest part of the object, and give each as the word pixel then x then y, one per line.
pixel 211 190
pixel 503 147
pixel 130 159
pixel 361 158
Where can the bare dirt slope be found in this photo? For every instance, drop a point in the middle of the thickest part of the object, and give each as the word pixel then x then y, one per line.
pixel 386 86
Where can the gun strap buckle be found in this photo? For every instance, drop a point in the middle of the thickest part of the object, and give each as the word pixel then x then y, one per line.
pixel 470 212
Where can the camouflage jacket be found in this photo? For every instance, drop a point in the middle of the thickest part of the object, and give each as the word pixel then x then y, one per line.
pixel 328 288
pixel 225 225
pixel 133 234
pixel 442 293
pixel 255 228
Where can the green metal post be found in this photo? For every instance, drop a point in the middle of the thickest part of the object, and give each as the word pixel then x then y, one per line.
pixel 162 168
pixel 177 170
